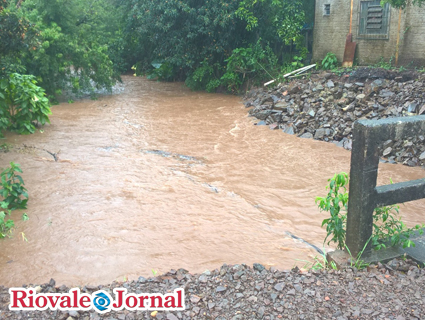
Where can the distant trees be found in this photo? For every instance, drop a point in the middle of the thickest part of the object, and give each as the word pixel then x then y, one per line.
pixel 78 45
pixel 213 43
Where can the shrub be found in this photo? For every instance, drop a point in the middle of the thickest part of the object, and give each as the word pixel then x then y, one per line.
pixel 22 103
pixel 12 189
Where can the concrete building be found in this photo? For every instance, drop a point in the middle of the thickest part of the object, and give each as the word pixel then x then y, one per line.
pixel 374 29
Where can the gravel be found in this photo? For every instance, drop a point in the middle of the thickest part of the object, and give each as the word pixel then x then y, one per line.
pixel 395 290
pixel 325 106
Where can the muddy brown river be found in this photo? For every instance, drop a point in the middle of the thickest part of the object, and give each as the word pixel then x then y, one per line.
pixel 158 178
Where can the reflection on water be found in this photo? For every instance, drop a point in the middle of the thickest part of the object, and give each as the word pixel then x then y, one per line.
pixel 159 177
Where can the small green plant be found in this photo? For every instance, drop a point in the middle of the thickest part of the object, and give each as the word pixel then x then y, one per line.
pixel 14 196
pixel 320 262
pixel 384 64
pixel 298 62
pixel 154 272
pixel 388 229
pixel 387 226
pixel 5 225
pixel 336 203
pixel 330 61
pixel 12 189
pixel 357 262
pixel 421 70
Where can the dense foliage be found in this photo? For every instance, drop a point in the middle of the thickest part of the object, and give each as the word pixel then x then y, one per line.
pixel 78 46
pixel 22 104
pixel 75 47
pixel 64 44
pixel 213 43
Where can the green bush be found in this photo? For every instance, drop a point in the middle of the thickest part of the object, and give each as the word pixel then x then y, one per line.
pixel 387 224
pixel 22 103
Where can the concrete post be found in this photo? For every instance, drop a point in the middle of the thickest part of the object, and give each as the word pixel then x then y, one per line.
pixel 364 196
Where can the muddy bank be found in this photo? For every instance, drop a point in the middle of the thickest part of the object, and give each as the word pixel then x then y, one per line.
pixel 325 106
pixel 391 291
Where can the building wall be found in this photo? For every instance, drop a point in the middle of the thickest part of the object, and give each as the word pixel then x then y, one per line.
pixel 413 49
pixel 330 33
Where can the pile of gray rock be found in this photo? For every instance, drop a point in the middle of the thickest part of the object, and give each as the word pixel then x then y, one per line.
pixel 325 106
pixel 238 292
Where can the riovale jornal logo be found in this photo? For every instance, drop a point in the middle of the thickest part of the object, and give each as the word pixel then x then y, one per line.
pixel 101 301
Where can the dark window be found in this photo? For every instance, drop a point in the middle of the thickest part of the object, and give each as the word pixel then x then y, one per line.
pixel 327 10
pixel 374 20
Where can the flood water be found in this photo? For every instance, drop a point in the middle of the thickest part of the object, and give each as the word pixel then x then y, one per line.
pixel 158 178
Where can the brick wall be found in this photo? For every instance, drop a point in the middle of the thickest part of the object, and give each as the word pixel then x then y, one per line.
pixel 330 33
pixel 413 49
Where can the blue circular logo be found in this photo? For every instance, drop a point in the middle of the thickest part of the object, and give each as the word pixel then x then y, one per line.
pixel 101 302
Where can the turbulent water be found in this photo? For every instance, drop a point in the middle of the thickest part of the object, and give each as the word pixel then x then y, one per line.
pixel 159 177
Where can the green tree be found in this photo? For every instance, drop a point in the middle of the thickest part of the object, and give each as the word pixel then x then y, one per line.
pixel 69 46
pixel 202 41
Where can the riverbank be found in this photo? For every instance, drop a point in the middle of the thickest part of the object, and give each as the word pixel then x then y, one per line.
pixel 325 106
pixel 395 290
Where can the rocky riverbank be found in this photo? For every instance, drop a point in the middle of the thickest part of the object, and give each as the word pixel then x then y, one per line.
pixel 325 106
pixel 395 290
